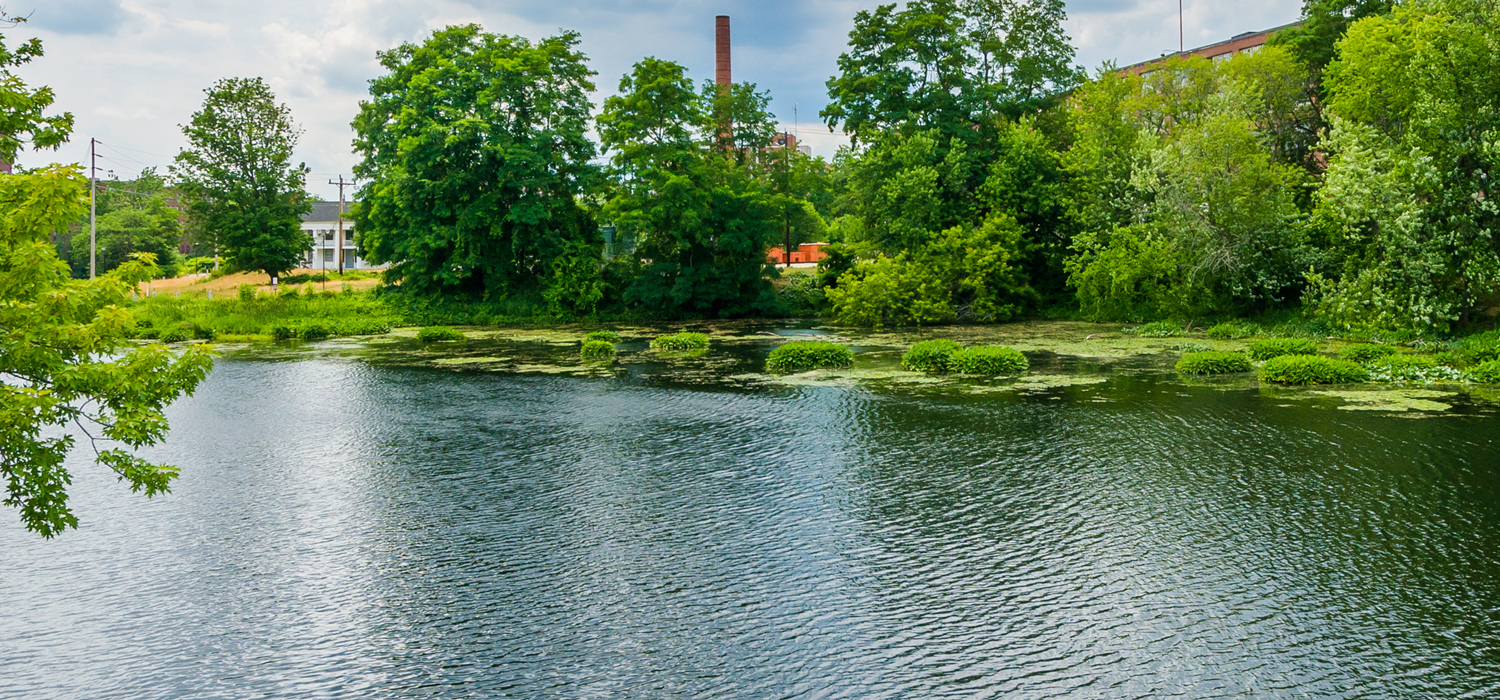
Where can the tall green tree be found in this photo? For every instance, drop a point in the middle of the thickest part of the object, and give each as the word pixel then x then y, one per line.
pixel 133 216
pixel 64 358
pixel 1408 199
pixel 475 150
pixel 701 218
pixel 949 65
pixel 243 192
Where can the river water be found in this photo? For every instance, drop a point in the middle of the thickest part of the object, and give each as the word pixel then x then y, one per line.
pixel 354 528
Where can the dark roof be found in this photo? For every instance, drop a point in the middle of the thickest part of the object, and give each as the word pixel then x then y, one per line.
pixel 326 211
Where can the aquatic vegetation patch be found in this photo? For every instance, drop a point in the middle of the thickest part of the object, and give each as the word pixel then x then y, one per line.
pixel 680 342
pixel 1479 348
pixel 930 356
pixel 1487 373
pixel 803 355
pixel 1311 369
pixel 1366 353
pixel 461 361
pixel 1233 330
pixel 1158 329
pixel 597 351
pixel 606 336
pixel 1189 347
pixel 1392 400
pixel 1262 350
pixel 433 334
pixel 1413 368
pixel 989 360
pixel 1213 362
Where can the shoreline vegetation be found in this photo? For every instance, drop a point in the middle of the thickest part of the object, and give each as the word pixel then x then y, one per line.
pixel 1234 346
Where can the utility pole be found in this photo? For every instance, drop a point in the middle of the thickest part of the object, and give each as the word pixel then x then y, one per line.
pixel 340 182
pixel 93 220
pixel 1180 45
pixel 786 214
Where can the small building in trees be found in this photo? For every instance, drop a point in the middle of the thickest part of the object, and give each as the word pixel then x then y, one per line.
pixel 322 224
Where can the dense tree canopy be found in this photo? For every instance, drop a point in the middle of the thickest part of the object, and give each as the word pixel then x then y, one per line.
pixel 243 192
pixel 475 150
pixel 133 216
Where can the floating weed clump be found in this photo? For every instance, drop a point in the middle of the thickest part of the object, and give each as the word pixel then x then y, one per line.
pixel 1311 369
pixel 1213 363
pixel 803 355
pixel 930 356
pixel 680 342
pixel 1389 400
pixel 1366 353
pixel 606 336
pixel 1158 329
pixel 1232 330
pixel 1413 368
pixel 1189 347
pixel 433 334
pixel 989 360
pixel 597 351
pixel 1263 350
pixel 1488 372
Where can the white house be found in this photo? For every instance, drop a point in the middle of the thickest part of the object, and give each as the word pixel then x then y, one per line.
pixel 322 223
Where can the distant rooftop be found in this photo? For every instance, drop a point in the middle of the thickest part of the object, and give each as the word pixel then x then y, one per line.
pixel 326 211
pixel 1226 48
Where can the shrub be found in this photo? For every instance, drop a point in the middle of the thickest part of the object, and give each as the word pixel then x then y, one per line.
pixel 1489 372
pixel 433 334
pixel 991 359
pixel 1158 329
pixel 680 342
pixel 1276 347
pixel 1213 363
pixel 203 332
pixel 606 336
pixel 177 334
pixel 365 327
pixel 597 350
pixel 247 292
pixel 930 356
pixel 147 333
pixel 1480 348
pixel 281 332
pixel 1232 330
pixel 803 355
pixel 314 331
pixel 1311 369
pixel 1366 353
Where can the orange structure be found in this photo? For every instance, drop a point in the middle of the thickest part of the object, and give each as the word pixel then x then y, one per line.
pixel 805 253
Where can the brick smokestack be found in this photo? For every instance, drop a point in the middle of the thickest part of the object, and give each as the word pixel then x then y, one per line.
pixel 721 50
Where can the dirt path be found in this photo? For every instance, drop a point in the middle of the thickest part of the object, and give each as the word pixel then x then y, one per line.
pixel 230 284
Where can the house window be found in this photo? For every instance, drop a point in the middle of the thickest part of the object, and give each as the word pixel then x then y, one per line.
pixel 328 255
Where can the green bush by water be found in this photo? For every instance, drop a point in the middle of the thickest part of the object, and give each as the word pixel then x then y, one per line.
pixel 433 334
pixel 803 355
pixel 597 350
pixel 1413 368
pixel 1311 369
pixel 1366 353
pixel 1263 350
pixel 930 356
pixel 990 360
pixel 606 336
pixel 680 342
pixel 1233 330
pixel 177 334
pixel 1488 373
pixel 1213 362
pixel 1480 347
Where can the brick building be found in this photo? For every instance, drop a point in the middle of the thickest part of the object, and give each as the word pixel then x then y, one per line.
pixel 1249 42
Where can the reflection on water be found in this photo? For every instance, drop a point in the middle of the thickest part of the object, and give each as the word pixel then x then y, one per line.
pixel 348 530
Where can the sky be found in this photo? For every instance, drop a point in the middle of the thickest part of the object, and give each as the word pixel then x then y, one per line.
pixel 132 71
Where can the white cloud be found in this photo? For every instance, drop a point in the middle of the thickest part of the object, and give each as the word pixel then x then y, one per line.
pixel 137 68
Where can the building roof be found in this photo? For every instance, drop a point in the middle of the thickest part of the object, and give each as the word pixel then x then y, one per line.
pixel 1238 42
pixel 326 211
